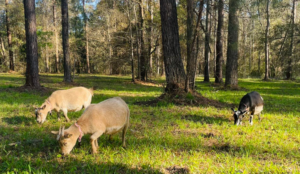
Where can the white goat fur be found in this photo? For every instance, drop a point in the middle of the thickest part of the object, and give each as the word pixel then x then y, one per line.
pixel 107 117
pixel 73 99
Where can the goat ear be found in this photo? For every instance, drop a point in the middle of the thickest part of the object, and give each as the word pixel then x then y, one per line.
pixel 44 107
pixel 232 109
pixel 54 132
pixel 68 135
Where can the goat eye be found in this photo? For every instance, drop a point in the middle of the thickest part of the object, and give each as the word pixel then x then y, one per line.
pixel 64 144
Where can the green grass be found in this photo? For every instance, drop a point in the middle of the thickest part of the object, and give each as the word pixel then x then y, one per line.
pixel 202 139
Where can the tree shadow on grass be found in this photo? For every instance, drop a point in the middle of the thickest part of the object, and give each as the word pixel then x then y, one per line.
pixel 18 120
pixel 205 119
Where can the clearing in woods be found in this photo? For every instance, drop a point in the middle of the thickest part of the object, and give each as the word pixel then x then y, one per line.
pixel 162 137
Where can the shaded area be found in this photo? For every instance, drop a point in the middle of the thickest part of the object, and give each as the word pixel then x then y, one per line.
pixel 204 119
pixel 179 97
pixel 17 120
pixel 26 89
pixel 178 170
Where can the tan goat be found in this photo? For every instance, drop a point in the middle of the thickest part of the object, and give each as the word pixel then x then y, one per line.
pixel 73 99
pixel 107 117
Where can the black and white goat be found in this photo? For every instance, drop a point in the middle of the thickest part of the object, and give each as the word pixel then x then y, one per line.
pixel 251 103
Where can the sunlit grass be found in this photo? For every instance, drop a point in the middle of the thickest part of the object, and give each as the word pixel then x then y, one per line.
pixel 200 139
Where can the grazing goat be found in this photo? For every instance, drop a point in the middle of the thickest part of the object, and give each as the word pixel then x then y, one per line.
pixel 107 117
pixel 251 103
pixel 73 99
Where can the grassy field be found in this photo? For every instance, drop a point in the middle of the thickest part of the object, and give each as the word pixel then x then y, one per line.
pixel 166 138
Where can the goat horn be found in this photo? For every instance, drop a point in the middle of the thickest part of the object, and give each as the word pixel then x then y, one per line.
pixel 59 133
pixel 63 131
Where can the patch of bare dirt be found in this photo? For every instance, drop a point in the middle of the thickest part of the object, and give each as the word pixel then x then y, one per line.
pixel 177 170
pixel 180 97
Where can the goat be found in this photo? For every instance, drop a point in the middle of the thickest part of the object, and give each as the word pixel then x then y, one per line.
pixel 251 103
pixel 107 117
pixel 73 99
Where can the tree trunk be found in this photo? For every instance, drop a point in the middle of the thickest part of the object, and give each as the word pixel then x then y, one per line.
pixel 86 39
pixel 157 61
pixel 219 45
pixel 2 51
pixel 150 37
pixel 56 39
pixel 11 54
pixel 189 42
pixel 175 75
pixel 232 45
pixel 65 38
pixel 143 50
pixel 259 62
pixel 291 49
pixel 47 59
pixel 138 47
pixel 131 43
pixel 207 39
pixel 32 70
pixel 267 43
pixel 192 58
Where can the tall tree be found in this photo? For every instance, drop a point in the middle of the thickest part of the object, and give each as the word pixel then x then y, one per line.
pixel 142 39
pixel 232 45
pixel 32 71
pixel 65 38
pixel 131 41
pixel 138 44
pixel 174 69
pixel 86 38
pixel 219 45
pixel 11 54
pixel 267 42
pixel 291 49
pixel 194 49
pixel 207 39
pixel 189 42
pixel 56 39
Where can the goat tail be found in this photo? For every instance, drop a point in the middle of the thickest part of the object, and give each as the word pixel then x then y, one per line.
pixel 91 91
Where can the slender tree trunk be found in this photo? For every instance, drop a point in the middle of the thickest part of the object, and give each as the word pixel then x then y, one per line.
pixel 189 42
pixel 2 51
pixel 47 59
pixel 56 39
pixel 11 54
pixel 65 38
pixel 32 70
pixel 192 58
pixel 259 62
pixel 267 43
pixel 157 60
pixel 232 46
pixel 131 43
pixel 86 39
pixel 175 75
pixel 291 49
pixel 219 45
pixel 207 39
pixel 143 56
pixel 150 38
pixel 138 47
